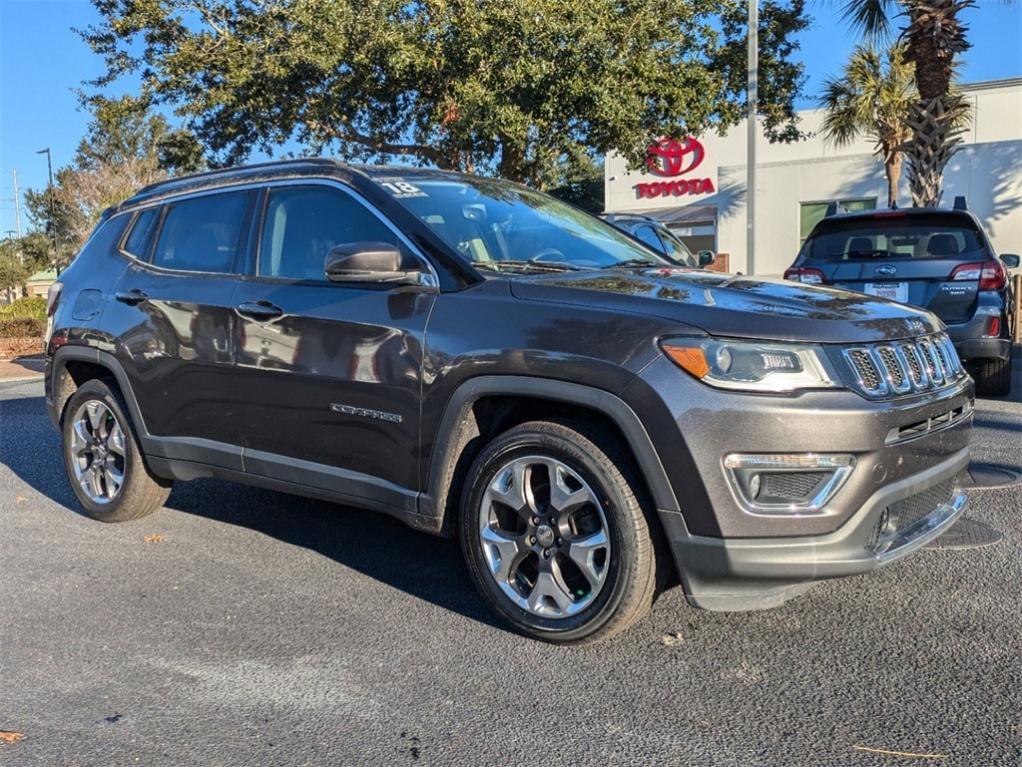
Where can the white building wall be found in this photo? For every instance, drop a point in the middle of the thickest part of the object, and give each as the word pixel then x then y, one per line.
pixel 987 170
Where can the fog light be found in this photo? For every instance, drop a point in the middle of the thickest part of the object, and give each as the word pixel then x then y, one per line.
pixel 786 483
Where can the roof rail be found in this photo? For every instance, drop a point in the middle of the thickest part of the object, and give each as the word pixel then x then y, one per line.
pixel 833 209
pixel 960 203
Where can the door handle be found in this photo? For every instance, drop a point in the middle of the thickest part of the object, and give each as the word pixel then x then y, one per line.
pixel 259 310
pixel 131 297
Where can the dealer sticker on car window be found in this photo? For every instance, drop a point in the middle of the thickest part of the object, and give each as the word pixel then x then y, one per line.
pixel 401 189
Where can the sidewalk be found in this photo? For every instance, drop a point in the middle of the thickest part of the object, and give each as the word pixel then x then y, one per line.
pixel 29 368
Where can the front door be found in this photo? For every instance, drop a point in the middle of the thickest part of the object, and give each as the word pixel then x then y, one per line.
pixel 329 375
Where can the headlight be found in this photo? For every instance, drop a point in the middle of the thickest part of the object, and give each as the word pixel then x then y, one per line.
pixel 752 365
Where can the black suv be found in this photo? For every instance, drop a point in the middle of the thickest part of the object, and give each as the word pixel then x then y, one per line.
pixel 656 235
pixel 937 259
pixel 481 360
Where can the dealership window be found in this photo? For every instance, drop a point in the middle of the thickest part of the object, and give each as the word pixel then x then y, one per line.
pixel 811 213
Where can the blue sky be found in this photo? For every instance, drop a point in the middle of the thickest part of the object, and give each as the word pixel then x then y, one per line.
pixel 42 61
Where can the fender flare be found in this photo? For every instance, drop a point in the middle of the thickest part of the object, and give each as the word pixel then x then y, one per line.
pixel 97 357
pixel 450 436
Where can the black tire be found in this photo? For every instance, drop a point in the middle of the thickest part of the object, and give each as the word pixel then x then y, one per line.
pixel 140 493
pixel 993 377
pixel 631 567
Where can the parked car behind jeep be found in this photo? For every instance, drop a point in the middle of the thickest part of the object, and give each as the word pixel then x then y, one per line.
pixel 937 259
pixel 481 360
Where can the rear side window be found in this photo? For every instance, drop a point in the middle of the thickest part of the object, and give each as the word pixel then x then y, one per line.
pixel 202 234
pixel 911 237
pixel 303 223
pixel 138 240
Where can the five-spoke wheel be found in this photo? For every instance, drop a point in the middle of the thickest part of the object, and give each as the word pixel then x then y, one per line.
pixel 544 536
pixel 554 534
pixel 104 465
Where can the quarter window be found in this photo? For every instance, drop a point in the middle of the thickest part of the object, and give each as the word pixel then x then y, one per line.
pixel 202 234
pixel 304 223
pixel 138 241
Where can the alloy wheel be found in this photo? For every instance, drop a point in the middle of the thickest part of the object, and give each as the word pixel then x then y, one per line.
pixel 97 451
pixel 544 536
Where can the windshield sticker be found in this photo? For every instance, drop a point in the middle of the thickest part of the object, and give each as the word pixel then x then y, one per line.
pixel 401 189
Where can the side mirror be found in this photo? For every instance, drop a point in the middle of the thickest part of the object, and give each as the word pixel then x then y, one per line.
pixel 705 257
pixel 1010 260
pixel 378 262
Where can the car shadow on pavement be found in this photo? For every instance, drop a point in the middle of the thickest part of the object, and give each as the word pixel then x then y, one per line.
pixel 422 565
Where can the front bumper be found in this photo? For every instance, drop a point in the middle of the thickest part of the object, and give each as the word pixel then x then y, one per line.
pixel 755 573
pixel 906 452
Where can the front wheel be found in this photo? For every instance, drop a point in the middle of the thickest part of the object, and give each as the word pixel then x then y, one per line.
pixel 102 458
pixel 554 533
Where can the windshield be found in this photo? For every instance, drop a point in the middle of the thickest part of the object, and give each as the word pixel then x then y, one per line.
pixel 677 249
pixel 501 226
pixel 915 237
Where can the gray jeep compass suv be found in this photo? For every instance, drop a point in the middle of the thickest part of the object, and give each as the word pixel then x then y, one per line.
pixel 483 361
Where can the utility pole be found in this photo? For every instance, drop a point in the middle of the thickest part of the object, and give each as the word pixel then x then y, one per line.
pixel 753 129
pixel 17 204
pixel 49 194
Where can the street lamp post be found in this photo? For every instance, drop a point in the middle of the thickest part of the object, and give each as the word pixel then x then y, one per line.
pixel 753 130
pixel 49 195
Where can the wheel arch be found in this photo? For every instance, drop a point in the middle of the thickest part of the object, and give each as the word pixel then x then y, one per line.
pixel 483 406
pixel 72 366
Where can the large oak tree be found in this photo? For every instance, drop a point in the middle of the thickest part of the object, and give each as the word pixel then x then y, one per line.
pixel 527 89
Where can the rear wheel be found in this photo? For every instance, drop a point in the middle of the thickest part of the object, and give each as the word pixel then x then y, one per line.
pixel 554 533
pixel 102 458
pixel 993 377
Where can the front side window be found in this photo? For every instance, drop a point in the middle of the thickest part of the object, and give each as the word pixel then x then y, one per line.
pixel 303 223
pixel 498 226
pixel 677 249
pixel 648 236
pixel 202 234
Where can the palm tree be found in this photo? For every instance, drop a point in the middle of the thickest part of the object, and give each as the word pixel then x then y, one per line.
pixel 873 96
pixel 933 36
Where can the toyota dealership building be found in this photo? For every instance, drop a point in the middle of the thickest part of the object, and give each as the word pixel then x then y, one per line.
pixel 697 186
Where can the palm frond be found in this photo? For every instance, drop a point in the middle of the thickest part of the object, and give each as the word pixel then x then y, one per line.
pixel 870 17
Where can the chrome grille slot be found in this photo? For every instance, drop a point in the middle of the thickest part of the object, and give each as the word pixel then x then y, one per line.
pixel 917 429
pixel 893 369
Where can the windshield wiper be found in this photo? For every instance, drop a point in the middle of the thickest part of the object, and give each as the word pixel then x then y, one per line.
pixel 632 263
pixel 541 266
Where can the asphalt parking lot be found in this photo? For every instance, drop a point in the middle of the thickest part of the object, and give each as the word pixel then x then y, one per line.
pixel 245 627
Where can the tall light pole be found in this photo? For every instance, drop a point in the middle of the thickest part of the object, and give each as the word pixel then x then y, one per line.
pixel 49 195
pixel 17 203
pixel 753 131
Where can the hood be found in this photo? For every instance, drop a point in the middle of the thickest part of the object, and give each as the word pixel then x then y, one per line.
pixel 726 305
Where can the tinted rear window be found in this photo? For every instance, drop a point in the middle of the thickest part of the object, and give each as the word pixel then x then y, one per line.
pixel 911 237
pixel 202 234
pixel 138 241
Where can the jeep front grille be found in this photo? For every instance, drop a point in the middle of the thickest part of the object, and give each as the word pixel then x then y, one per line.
pixel 905 367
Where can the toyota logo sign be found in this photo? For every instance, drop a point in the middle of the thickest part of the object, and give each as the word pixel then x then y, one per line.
pixel 671 157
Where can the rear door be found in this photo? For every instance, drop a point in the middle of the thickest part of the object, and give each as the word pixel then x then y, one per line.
pixel 174 312
pixel 905 257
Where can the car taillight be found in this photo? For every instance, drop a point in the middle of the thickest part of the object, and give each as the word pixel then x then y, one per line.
pixel 52 297
pixel 802 274
pixel 990 274
pixel 993 327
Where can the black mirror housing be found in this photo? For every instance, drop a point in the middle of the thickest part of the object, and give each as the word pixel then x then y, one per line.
pixel 378 262
pixel 1011 260
pixel 706 257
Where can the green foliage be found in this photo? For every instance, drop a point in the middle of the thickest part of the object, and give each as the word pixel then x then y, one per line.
pixel 528 89
pixel 32 308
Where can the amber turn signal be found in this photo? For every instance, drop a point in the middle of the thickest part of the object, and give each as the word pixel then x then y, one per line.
pixel 691 359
